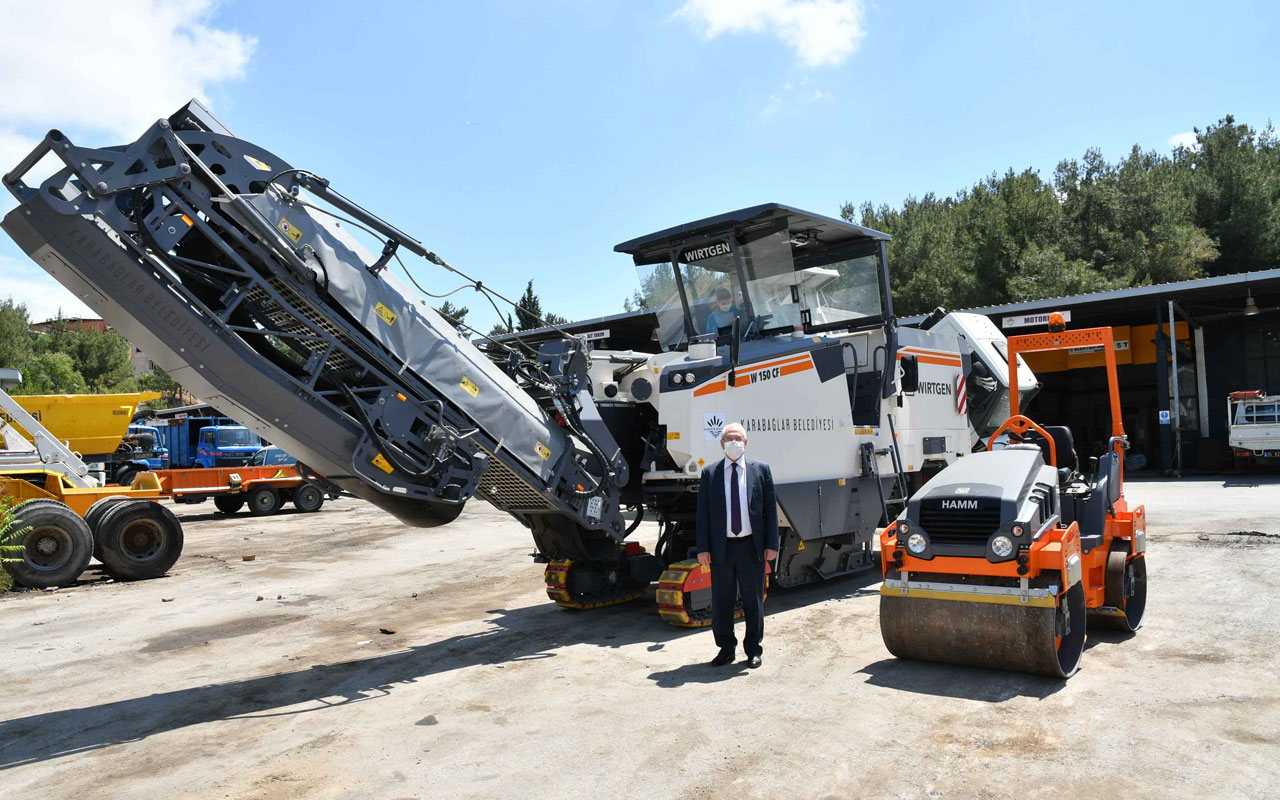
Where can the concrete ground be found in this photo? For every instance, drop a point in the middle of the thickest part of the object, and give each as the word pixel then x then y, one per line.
pixel 354 658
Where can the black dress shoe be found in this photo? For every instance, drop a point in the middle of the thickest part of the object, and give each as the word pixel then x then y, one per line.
pixel 753 662
pixel 725 657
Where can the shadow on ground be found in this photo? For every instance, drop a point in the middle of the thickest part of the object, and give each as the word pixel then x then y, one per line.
pixel 514 635
pixel 950 680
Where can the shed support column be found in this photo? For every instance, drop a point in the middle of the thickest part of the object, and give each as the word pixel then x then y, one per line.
pixel 1162 395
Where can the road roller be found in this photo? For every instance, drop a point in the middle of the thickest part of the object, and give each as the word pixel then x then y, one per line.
pixel 1007 557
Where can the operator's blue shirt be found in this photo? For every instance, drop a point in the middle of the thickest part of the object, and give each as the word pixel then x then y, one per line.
pixel 718 319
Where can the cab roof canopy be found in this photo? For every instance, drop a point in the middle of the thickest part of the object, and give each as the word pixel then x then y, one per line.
pixel 814 228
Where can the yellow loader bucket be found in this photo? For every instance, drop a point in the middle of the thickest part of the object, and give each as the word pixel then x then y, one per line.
pixel 89 423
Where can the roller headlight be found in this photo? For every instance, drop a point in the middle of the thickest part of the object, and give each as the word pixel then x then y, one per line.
pixel 1002 546
pixel 677 377
pixel 688 377
pixel 1017 530
pixel 916 543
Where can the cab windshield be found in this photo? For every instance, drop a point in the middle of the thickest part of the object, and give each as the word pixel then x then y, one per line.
pixel 235 437
pixel 793 281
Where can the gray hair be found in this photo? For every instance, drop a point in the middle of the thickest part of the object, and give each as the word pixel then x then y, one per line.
pixel 733 426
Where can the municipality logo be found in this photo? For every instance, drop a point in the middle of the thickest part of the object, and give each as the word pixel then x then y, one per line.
pixel 713 425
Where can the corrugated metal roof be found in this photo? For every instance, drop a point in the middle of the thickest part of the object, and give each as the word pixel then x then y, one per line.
pixel 1132 293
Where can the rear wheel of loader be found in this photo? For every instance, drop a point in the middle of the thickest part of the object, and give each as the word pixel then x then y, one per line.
pixel 1126 592
pixel 140 539
pixel 1045 639
pixel 264 501
pixel 93 517
pixel 228 503
pixel 56 548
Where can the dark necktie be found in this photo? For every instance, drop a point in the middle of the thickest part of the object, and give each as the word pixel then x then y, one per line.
pixel 735 506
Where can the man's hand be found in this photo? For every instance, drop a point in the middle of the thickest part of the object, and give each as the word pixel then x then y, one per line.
pixel 704 559
pixel 770 555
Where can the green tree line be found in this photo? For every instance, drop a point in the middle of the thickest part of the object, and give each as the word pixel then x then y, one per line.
pixel 68 359
pixel 1212 208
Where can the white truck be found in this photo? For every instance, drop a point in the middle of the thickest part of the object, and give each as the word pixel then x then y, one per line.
pixel 1253 420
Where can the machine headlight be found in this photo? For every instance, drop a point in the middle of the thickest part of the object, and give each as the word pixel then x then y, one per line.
pixel 688 377
pixel 677 378
pixel 916 543
pixel 1002 546
pixel 1016 530
pixel 904 528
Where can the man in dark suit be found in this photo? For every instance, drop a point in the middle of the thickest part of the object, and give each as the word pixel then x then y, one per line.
pixel 737 536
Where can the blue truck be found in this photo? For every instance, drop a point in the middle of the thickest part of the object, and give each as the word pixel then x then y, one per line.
pixel 207 442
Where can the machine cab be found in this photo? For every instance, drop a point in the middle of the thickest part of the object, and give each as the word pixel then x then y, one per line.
pixel 771 268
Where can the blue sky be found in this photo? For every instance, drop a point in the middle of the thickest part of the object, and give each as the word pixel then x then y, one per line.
pixel 524 140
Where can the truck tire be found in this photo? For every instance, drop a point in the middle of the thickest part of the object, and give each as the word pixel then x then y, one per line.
pixel 93 517
pixel 264 501
pixel 57 547
pixel 125 476
pixel 308 498
pixel 229 503
pixel 140 539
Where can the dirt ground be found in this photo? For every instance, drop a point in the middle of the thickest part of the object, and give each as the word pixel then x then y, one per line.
pixel 354 658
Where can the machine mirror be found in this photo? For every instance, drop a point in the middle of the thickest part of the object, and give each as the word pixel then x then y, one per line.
pixel 735 342
pixel 910 373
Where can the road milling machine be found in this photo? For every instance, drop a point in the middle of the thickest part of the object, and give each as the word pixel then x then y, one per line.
pixel 244 277
pixel 1005 558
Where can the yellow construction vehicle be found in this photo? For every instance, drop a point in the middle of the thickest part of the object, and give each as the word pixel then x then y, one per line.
pixel 89 423
pixel 69 518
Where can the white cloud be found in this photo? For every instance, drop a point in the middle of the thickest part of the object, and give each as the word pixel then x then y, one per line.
pixel 793 97
pixel 106 70
pixel 101 72
pixel 26 283
pixel 1187 140
pixel 822 32
pixel 113 67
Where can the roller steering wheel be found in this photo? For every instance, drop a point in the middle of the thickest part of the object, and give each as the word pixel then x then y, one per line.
pixel 1019 426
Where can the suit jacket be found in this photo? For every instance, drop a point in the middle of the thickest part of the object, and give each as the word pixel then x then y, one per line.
pixel 713 515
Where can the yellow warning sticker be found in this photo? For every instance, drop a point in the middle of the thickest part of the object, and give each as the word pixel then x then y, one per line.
pixel 543 451
pixel 385 314
pixel 800 545
pixel 288 229
pixel 471 388
pixel 673 436
pixel 258 164
pixel 382 464
pixel 840 482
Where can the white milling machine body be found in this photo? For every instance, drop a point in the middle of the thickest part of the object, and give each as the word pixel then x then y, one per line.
pixel 851 411
pixel 229 268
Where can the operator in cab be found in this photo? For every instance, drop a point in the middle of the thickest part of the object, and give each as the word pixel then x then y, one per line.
pixel 724 312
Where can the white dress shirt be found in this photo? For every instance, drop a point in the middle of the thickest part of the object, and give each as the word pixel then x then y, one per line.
pixel 742 498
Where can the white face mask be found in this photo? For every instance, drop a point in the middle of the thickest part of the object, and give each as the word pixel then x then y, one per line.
pixel 734 449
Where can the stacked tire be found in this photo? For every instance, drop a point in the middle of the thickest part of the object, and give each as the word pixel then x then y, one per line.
pixel 134 540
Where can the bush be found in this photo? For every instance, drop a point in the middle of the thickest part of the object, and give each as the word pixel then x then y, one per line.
pixel 9 534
